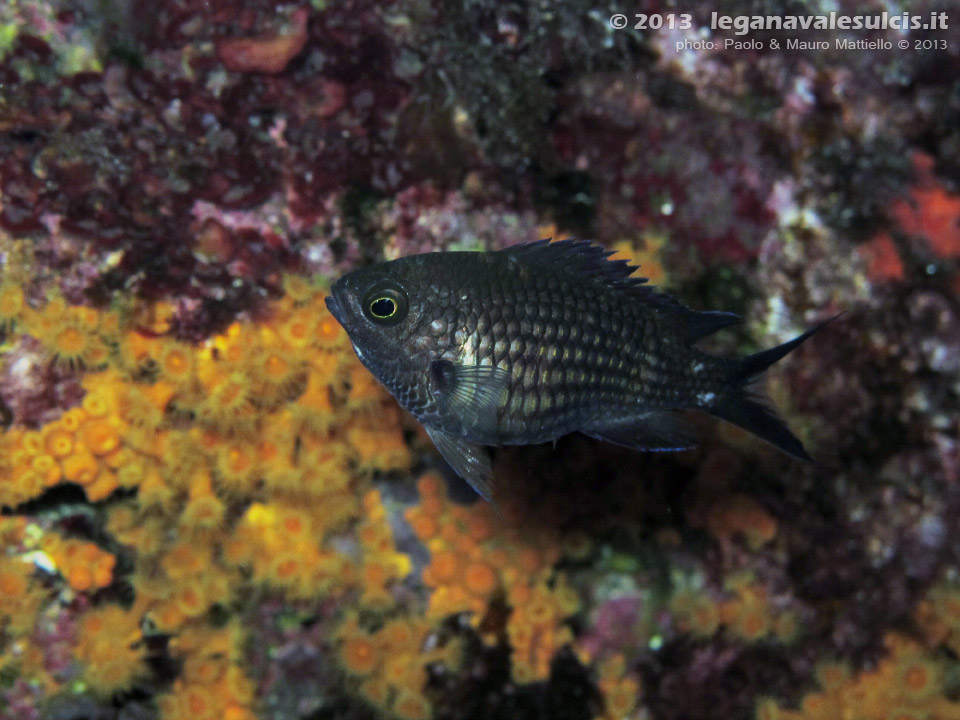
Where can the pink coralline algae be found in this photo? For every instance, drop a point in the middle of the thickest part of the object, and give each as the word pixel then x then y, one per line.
pixel 423 219
pixel 121 158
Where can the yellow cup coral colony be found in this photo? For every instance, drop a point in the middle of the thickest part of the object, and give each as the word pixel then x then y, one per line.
pixel 389 665
pixel 20 596
pixel 746 613
pixel 908 684
pixel 474 557
pixel 84 565
pixel 246 458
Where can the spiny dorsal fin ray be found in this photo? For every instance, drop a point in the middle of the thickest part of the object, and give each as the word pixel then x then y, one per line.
pixel 590 260
pixel 576 256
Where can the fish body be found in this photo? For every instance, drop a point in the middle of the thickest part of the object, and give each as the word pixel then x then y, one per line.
pixel 527 344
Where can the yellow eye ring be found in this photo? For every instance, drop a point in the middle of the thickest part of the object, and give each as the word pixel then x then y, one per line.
pixel 385 304
pixel 383 308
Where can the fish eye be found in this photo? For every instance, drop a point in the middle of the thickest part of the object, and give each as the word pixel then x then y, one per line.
pixel 385 305
pixel 383 308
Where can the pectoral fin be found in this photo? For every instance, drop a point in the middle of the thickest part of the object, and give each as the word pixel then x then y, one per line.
pixel 471 394
pixel 469 460
pixel 651 431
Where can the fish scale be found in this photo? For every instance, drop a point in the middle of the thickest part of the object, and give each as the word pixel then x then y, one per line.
pixel 530 343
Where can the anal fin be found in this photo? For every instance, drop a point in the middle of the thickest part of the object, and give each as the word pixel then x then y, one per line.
pixel 655 430
pixel 469 460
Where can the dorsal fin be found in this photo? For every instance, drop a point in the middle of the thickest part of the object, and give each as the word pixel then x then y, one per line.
pixel 589 260
pixel 701 324
pixel 576 256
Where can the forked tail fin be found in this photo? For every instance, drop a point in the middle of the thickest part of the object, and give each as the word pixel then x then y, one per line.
pixel 752 412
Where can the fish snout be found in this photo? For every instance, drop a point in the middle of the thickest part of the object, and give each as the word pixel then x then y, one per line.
pixel 334 307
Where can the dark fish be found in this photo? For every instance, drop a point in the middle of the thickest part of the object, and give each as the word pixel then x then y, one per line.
pixel 529 343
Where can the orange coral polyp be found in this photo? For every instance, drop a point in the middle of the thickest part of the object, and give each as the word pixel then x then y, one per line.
pixel 268 451
pixel 80 578
pixel 103 575
pixel 294 523
pixel 298 329
pixel 109 646
pixel 396 634
pixel 237 460
pixel 190 601
pixel 71 419
pixel 298 289
pixel 176 365
pixel 70 342
pixel 29 485
pixel 359 656
pixel 529 560
pixel 622 698
pixel 753 622
pixel 376 691
pixel 130 475
pixel 375 575
pixel 203 670
pixel 430 484
pixel 423 526
pixel 58 442
pixel 481 525
pixel 288 569
pixel 103 484
pixel 432 506
pixel 185 559
pixel 198 703
pixel 99 436
pixel 411 706
pixel 480 579
pixel 920 678
pixel 80 468
pixel 205 511
pixel 83 564
pixel 238 712
pixel 12 584
pixel 48 468
pixel 33 442
pixel 539 610
pixel 11 304
pixel 329 333
pixel 704 618
pixel 832 675
pixel 96 403
pixel 227 398
pixel 235 464
pixel 444 566
pixel 276 368
pixel 175 362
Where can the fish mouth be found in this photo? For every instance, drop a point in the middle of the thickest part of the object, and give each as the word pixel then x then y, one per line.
pixel 334 307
